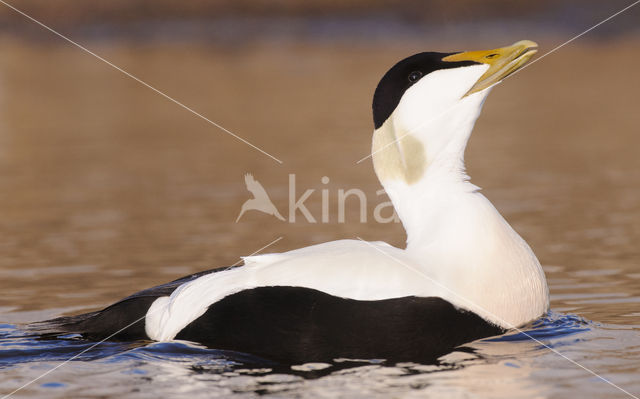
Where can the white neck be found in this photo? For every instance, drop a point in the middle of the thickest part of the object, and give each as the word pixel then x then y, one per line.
pixel 421 163
pixel 454 231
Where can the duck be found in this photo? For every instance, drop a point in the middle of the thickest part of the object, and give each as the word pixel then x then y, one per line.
pixel 465 273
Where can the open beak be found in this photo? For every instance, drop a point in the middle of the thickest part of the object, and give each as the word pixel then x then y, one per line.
pixel 502 62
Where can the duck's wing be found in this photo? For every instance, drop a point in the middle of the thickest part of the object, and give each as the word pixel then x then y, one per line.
pixel 347 268
pixel 347 298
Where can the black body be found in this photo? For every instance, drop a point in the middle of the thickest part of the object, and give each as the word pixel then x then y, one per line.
pixel 294 324
pixel 297 325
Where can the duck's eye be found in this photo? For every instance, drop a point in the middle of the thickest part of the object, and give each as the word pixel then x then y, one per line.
pixel 414 76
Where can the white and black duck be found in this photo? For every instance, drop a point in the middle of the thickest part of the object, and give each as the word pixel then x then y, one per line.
pixel 464 274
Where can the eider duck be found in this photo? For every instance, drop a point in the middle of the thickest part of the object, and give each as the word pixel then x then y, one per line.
pixel 465 273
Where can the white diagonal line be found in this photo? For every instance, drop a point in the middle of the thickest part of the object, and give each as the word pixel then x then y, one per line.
pixel 173 100
pixel 112 335
pixel 575 37
pixel 409 132
pixel 420 273
pixel 512 74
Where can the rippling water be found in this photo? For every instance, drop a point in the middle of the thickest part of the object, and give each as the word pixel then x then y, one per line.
pixel 107 188
pixel 511 366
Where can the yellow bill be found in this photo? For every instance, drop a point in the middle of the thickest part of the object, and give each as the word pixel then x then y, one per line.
pixel 502 62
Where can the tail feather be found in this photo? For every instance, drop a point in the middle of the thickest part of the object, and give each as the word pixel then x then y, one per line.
pixel 124 320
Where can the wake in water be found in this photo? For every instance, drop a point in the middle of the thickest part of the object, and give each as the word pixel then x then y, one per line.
pixel 551 326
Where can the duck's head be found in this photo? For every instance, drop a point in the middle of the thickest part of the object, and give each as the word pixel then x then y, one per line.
pixel 425 106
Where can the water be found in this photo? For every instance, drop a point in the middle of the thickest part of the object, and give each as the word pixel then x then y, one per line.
pixel 107 188
pixel 510 366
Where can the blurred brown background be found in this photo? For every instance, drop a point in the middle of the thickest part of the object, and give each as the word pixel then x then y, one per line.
pixel 364 19
pixel 116 11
